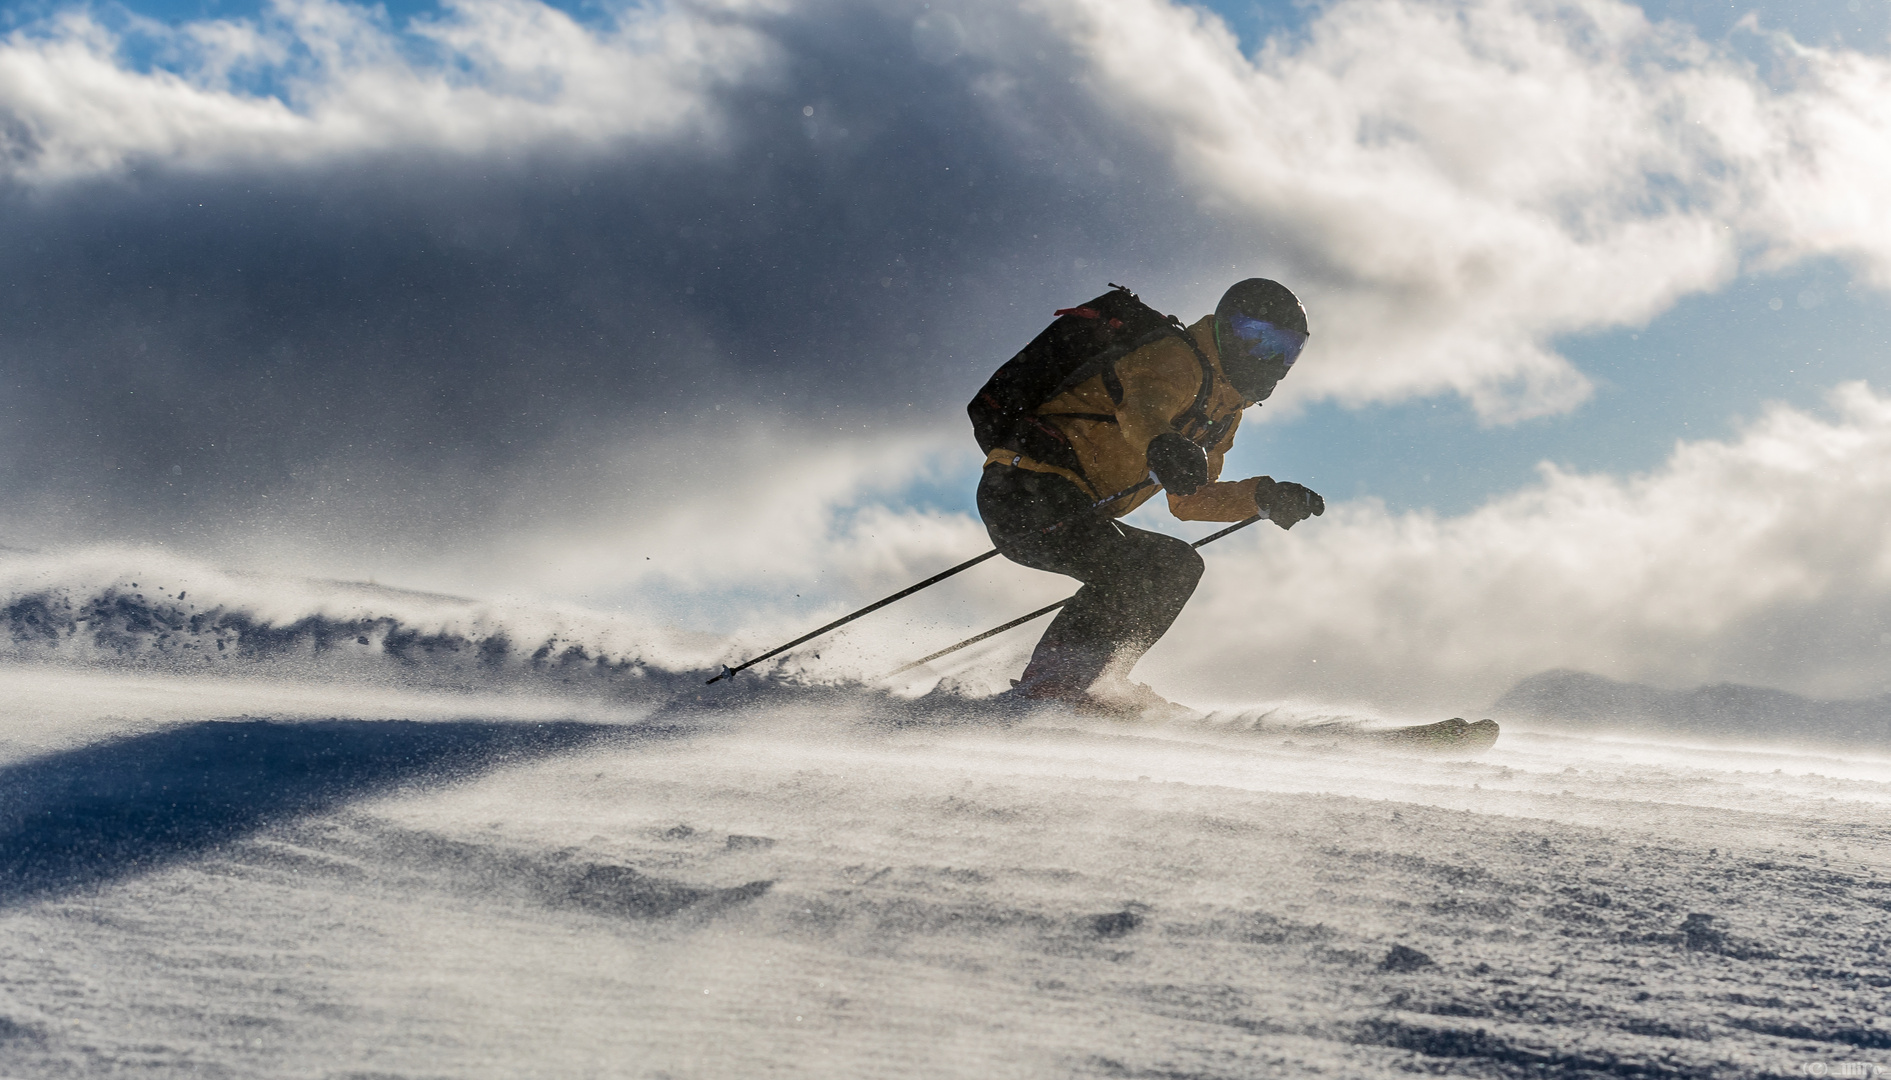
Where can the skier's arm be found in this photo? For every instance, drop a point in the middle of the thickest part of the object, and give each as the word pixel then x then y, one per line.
pixel 1230 501
pixel 1159 382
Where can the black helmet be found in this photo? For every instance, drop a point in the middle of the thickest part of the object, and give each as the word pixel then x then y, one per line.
pixel 1260 328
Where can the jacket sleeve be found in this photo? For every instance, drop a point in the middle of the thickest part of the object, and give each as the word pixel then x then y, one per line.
pixel 1230 501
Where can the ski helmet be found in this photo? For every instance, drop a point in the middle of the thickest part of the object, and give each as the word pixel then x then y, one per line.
pixel 1260 329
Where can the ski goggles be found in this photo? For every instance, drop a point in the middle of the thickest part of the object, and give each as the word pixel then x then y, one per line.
pixel 1267 341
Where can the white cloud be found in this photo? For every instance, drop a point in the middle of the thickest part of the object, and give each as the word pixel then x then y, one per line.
pixel 730 522
pixel 489 76
pixel 1760 560
pixel 1823 186
pixel 733 508
pixel 1460 182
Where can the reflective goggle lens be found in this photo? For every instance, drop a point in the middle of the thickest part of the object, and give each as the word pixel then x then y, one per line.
pixel 1266 341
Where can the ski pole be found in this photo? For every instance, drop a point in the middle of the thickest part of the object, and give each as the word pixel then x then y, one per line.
pixel 730 672
pixel 1046 610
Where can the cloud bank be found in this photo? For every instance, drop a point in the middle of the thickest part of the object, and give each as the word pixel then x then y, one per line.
pixel 1759 560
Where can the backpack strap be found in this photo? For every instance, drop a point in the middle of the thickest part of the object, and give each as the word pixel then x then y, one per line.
pixel 1117 309
pixel 1105 366
pixel 1198 412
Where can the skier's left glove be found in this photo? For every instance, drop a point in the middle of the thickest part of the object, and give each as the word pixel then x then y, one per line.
pixel 1180 466
pixel 1286 504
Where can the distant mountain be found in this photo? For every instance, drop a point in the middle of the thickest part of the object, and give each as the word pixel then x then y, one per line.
pixel 1580 699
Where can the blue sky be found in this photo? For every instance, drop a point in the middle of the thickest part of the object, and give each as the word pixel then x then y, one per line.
pixel 1859 23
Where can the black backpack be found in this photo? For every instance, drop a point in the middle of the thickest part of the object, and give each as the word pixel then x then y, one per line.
pixel 1083 342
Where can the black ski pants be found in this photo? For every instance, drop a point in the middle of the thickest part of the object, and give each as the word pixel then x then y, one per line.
pixel 1134 582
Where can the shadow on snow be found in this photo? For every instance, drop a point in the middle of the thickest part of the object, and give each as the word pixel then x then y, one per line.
pixel 103 812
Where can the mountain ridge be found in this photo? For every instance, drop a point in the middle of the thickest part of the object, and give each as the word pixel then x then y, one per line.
pixel 1579 698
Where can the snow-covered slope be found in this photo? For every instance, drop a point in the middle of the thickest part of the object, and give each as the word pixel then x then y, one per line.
pixel 273 828
pixel 829 883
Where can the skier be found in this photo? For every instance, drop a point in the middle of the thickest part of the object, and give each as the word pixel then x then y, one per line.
pixel 1162 403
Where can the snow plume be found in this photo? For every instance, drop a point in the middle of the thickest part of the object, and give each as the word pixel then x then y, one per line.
pixel 151 610
pixel 1757 560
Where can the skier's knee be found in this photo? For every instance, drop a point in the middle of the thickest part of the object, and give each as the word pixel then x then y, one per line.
pixel 1194 567
pixel 1183 564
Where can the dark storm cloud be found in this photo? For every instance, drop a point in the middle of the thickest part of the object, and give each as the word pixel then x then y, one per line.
pixel 873 230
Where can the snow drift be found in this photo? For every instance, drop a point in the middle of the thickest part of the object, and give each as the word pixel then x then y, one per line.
pixel 119 609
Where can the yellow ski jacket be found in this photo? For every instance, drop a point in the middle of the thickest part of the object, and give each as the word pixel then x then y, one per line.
pixel 1159 385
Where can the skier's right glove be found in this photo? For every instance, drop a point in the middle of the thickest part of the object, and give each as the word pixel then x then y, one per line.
pixel 1180 466
pixel 1286 504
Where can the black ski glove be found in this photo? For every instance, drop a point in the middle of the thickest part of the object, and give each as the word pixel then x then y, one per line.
pixel 1180 466
pixel 1286 504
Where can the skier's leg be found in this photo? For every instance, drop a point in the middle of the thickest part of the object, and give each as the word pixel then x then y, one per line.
pixel 1135 582
pixel 1039 520
pixel 1150 577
